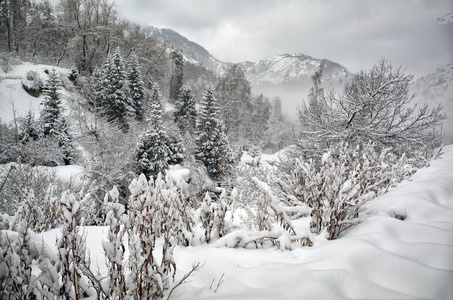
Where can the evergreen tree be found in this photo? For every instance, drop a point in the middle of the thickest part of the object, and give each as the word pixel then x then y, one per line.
pixel 176 151
pixel 52 110
pixel 185 114
pixel 54 123
pixel 29 130
pixel 115 94
pixel 156 149
pixel 235 101
pixel 212 147
pixel 65 140
pixel 177 73
pixel 155 107
pixel 136 88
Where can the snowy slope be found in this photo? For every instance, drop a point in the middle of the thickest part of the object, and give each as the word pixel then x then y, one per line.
pixel 12 92
pixel 437 88
pixel 381 258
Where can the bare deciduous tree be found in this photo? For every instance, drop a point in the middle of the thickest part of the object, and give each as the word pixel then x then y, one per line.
pixel 375 106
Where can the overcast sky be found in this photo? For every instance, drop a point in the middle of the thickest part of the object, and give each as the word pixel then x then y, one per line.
pixel 354 33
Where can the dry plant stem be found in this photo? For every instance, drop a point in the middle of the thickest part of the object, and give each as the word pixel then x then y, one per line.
pixel 183 280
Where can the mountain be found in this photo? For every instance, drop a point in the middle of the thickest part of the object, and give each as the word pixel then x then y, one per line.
pixel 437 88
pixel 292 68
pixel 288 76
pixel 191 50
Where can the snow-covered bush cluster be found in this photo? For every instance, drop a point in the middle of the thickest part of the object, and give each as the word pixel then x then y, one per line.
pixel 337 189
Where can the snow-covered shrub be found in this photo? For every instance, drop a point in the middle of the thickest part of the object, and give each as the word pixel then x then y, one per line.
pixel 113 247
pixel 270 205
pixel 212 214
pixel 72 260
pixel 22 249
pixel 337 189
pixel 156 208
pixel 207 217
pixel 16 263
pixel 16 179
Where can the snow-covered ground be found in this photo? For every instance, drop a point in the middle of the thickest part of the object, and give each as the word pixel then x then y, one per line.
pixel 12 92
pixel 384 257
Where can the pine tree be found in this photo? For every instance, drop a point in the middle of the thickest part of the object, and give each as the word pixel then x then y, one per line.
pixel 234 94
pixel 212 147
pixel 115 98
pixel 185 114
pixel 152 153
pixel 52 110
pixel 177 74
pixel 156 149
pixel 29 131
pixel 155 107
pixel 54 123
pixel 136 88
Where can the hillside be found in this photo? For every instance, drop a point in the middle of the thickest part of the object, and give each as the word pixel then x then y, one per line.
pixel 191 50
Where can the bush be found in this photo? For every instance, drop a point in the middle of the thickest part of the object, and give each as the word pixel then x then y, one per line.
pixel 337 188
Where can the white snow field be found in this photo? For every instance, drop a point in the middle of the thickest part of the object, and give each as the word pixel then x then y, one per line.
pixel 381 258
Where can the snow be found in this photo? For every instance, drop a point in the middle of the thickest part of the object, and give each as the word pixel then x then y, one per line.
pixel 383 257
pixel 73 174
pixel 179 173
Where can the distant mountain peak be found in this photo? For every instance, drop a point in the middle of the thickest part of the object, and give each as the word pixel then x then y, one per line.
pixel 290 67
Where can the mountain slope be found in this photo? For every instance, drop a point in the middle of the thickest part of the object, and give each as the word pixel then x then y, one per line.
pixel 437 88
pixel 190 49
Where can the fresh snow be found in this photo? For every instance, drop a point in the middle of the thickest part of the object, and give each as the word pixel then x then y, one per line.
pixel 381 258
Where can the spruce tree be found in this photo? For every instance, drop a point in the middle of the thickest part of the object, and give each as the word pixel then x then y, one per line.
pixel 177 74
pixel 54 124
pixel 155 107
pixel 52 110
pixel 115 95
pixel 156 149
pixel 185 114
pixel 235 101
pixel 212 146
pixel 29 130
pixel 136 88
